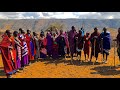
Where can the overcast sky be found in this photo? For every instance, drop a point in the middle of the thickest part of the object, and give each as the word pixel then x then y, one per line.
pixel 59 15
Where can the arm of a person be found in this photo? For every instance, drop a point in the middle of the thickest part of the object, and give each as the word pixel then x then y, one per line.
pixel 64 41
pixel 17 43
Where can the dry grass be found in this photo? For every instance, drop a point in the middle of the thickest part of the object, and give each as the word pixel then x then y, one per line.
pixel 63 69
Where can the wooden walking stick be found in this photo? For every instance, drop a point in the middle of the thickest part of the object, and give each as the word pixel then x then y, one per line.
pixel 71 53
pixel 114 53
pixel 94 47
pixel 76 45
pixel 102 48
pixel 77 50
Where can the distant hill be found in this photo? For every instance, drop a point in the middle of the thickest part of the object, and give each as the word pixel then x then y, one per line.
pixel 38 24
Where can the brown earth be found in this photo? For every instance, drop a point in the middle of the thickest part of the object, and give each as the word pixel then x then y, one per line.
pixel 63 69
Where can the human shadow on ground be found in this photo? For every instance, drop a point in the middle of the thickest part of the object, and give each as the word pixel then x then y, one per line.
pixel 106 70
pixel 69 62
pixel 55 61
pixel 81 63
pixel 2 73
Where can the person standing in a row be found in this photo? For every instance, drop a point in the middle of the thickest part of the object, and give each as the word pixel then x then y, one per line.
pixel 18 48
pixel 106 43
pixel 71 39
pixel 95 42
pixel 79 43
pixel 7 58
pixel 30 44
pixel 67 48
pixel 55 54
pixel 87 46
pixel 118 43
pixel 36 46
pixel 61 44
pixel 43 44
pixel 49 44
pixel 25 52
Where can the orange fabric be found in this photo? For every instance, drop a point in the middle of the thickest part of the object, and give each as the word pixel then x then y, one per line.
pixel 14 51
pixel 28 39
pixel 6 56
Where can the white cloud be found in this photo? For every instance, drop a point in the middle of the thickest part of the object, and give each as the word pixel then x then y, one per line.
pixel 81 13
pixel 64 15
pixel 50 13
pixel 110 17
pixel 59 12
pixel 59 15
pixel 29 17
pixel 40 14
pixel 3 17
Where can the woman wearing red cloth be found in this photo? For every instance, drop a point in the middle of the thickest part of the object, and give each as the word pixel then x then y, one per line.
pixel 7 50
pixel 43 44
pixel 87 46
pixel 30 44
pixel 13 52
pixel 55 54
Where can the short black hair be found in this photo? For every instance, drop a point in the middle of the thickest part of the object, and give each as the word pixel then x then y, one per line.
pixel 73 27
pixel 15 32
pixel 41 35
pixel 34 33
pixel 23 31
pixel 104 28
pixel 28 30
pixel 95 28
pixel 80 31
pixel 7 31
pixel 20 29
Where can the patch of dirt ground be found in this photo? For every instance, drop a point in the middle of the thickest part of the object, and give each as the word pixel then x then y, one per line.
pixel 64 69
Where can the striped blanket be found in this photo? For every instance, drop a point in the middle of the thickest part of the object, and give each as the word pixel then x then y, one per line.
pixel 18 48
pixel 25 48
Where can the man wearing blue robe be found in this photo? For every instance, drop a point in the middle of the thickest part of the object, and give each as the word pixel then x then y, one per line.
pixel 105 43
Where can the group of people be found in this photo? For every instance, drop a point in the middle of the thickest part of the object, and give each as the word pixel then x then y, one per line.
pixel 21 48
pixel 99 42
